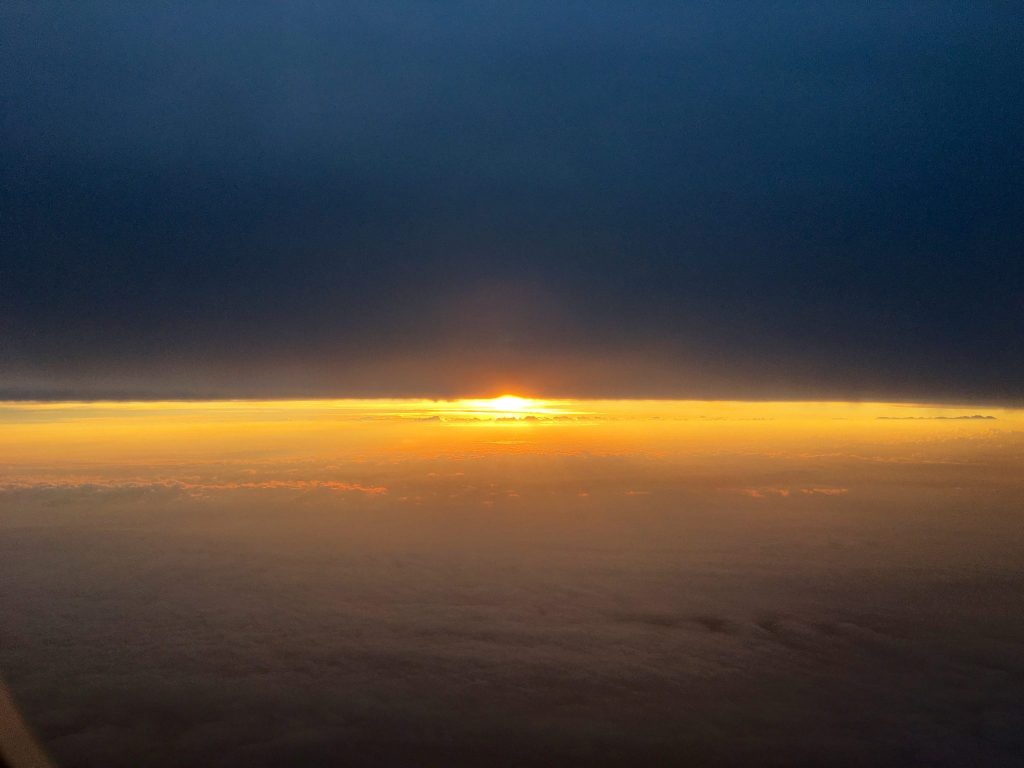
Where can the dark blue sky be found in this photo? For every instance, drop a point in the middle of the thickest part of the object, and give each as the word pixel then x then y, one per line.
pixel 433 198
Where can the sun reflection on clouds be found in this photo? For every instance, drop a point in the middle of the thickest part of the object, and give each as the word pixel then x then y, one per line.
pixel 510 407
pixel 51 435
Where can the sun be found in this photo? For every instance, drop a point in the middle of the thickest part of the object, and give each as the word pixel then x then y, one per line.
pixel 507 407
pixel 512 404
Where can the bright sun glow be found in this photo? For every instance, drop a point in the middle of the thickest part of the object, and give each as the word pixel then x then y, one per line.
pixel 504 408
pixel 511 403
pixel 508 407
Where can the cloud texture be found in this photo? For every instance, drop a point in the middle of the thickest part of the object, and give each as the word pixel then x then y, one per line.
pixel 807 601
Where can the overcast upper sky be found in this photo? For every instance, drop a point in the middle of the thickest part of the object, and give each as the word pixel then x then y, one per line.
pixel 703 199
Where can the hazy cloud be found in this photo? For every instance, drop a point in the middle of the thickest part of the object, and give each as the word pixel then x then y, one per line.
pixel 484 611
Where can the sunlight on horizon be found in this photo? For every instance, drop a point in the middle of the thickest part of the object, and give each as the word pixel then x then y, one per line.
pixel 54 438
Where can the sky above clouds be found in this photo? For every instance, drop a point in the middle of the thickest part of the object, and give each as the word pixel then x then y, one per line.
pixel 672 199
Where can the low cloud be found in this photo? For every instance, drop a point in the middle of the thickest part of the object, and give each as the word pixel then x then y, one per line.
pixel 975 416
pixel 785 493
pixel 187 487
pixel 380 612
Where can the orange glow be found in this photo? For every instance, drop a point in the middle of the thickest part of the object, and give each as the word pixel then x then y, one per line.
pixel 504 453
pixel 509 403
pixel 136 432
pixel 511 406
